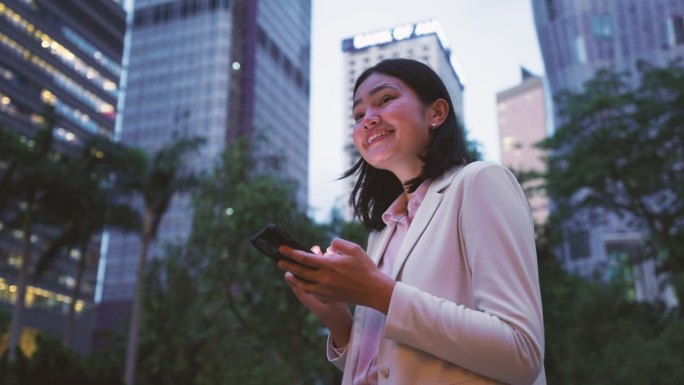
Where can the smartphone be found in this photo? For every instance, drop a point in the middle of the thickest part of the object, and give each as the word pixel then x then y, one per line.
pixel 272 236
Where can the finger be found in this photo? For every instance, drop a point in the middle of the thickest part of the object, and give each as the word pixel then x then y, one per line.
pixel 288 278
pixel 301 284
pixel 316 249
pixel 331 251
pixel 346 247
pixel 301 256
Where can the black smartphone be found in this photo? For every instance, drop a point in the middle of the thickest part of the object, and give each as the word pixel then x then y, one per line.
pixel 272 236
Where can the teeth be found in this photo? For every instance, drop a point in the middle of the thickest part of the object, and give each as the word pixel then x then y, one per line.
pixel 377 135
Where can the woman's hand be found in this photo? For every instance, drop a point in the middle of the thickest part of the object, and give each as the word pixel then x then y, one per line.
pixel 336 316
pixel 344 274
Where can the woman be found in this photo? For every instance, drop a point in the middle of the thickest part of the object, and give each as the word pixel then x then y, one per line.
pixel 447 291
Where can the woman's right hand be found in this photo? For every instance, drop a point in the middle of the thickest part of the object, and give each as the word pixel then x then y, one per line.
pixel 336 316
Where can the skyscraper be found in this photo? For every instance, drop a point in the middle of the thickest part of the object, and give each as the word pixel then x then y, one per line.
pixel 65 55
pixel 522 124
pixel 578 37
pixel 424 41
pixel 217 69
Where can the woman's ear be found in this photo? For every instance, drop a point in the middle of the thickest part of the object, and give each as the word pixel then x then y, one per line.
pixel 439 110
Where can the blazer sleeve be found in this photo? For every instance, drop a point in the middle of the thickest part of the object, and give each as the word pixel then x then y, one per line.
pixel 500 335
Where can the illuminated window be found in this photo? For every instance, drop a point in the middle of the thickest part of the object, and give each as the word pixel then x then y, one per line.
pixel 579 50
pixel 62 53
pixel 602 26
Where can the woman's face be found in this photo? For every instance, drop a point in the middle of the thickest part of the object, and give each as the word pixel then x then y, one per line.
pixel 392 125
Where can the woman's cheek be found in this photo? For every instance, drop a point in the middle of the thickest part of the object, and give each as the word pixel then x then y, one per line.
pixel 357 137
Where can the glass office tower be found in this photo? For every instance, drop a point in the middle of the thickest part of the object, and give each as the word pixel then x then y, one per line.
pixel 64 55
pixel 578 37
pixel 217 69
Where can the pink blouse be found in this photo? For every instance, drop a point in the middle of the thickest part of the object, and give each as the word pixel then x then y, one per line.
pixel 395 216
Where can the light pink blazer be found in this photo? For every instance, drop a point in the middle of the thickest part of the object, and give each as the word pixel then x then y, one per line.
pixel 466 308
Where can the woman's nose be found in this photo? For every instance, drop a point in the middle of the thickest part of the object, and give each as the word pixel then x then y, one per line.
pixel 371 120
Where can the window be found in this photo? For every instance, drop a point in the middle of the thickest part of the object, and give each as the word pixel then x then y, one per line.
pixel 675 30
pixel 579 245
pixel 579 50
pixel 550 10
pixel 602 26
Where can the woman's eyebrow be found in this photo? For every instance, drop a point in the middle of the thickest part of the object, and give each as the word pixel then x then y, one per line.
pixel 373 92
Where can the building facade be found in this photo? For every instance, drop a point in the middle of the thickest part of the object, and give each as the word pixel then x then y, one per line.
pixel 424 41
pixel 522 120
pixel 577 38
pixel 217 69
pixel 64 56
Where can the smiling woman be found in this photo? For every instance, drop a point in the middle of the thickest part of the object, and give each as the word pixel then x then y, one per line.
pixel 392 125
pixel 448 289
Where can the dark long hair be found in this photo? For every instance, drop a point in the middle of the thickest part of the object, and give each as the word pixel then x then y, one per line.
pixel 376 189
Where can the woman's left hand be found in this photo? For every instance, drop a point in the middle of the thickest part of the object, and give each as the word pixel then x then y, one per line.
pixel 344 273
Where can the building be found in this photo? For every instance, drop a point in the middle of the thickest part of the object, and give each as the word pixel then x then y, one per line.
pixel 578 37
pixel 66 55
pixel 424 41
pixel 217 69
pixel 522 118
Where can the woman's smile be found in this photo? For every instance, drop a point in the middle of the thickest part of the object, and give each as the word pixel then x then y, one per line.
pixel 377 136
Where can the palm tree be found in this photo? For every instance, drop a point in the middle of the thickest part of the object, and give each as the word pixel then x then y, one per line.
pixel 87 205
pixel 164 177
pixel 31 170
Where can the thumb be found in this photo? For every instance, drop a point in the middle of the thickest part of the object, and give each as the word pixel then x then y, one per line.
pixel 346 247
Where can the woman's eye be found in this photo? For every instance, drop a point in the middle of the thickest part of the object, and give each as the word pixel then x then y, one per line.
pixel 386 99
pixel 358 117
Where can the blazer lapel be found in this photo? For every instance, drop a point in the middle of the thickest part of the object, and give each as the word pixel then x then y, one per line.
pixel 379 242
pixel 427 210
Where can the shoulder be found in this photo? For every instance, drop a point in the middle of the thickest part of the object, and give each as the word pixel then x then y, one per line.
pixel 475 173
pixel 475 168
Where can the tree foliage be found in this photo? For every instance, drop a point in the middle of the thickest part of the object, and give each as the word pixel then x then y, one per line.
pixel 30 174
pixel 161 176
pixel 596 336
pixel 53 363
pixel 217 311
pixel 64 193
pixel 620 148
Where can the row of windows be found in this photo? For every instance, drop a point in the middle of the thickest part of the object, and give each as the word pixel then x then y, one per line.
pixel 74 115
pixel 166 12
pixel 409 53
pixel 278 56
pixel 63 81
pixel 38 298
pixel 601 43
pixel 60 52
pixel 112 65
pixel 8 107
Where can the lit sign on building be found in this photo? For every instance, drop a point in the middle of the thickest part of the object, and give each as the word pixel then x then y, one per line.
pixel 399 33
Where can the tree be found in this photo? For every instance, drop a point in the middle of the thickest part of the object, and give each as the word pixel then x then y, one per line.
pixel 86 204
pixel 163 177
pixel 594 335
pixel 620 149
pixel 217 311
pixel 31 171
pixel 53 363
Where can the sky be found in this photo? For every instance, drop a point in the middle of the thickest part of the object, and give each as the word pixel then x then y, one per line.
pixel 490 39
